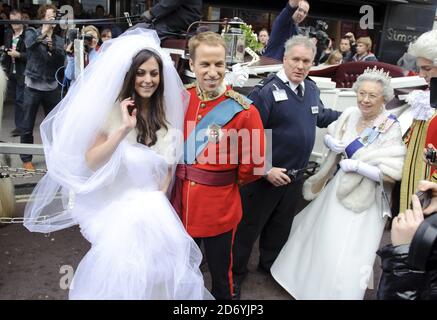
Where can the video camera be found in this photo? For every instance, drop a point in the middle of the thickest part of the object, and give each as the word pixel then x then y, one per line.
pixel 319 32
pixel 60 14
pixel 74 34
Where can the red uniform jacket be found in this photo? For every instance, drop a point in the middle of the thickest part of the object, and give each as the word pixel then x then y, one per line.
pixel 431 137
pixel 211 210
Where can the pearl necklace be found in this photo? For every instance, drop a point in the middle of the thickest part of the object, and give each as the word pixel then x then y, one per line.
pixel 363 123
pixel 366 123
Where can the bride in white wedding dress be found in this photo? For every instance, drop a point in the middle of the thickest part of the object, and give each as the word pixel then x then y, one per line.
pixel 111 148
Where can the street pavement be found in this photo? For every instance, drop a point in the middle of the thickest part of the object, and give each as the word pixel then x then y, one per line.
pixel 35 266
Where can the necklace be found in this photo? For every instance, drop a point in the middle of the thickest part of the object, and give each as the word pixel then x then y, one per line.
pixel 365 123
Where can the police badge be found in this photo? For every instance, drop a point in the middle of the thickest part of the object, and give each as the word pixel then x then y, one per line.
pixel 214 133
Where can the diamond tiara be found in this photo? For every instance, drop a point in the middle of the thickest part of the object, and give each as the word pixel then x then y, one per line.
pixel 377 72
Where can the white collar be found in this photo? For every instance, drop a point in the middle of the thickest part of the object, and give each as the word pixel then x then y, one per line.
pixel 281 75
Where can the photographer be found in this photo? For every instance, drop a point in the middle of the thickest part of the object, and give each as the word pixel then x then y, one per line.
pixel 285 27
pixel 91 39
pixel 321 40
pixel 45 55
pixel 326 52
pixel 14 62
pixel 405 276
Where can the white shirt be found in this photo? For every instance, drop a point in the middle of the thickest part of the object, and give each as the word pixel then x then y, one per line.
pixel 281 75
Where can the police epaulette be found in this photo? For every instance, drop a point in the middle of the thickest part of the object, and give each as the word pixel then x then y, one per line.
pixel 266 80
pixel 190 85
pixel 311 80
pixel 244 101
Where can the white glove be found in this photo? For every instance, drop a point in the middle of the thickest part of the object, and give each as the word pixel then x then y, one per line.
pixel 366 170
pixel 238 76
pixel 333 144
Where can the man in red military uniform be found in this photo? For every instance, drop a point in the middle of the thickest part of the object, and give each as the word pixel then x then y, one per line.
pixel 224 148
pixel 423 129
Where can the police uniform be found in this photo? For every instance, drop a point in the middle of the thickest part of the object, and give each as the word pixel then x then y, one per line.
pixel 210 203
pixel 268 211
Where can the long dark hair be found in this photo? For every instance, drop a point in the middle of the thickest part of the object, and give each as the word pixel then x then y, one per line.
pixel 155 113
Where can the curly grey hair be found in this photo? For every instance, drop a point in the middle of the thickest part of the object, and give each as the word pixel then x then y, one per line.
pixel 376 76
pixel 425 46
pixel 300 41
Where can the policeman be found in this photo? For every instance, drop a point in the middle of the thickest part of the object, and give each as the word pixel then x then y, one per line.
pixel 290 106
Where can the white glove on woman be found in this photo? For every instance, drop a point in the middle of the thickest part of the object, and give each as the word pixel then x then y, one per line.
pixel 366 170
pixel 333 144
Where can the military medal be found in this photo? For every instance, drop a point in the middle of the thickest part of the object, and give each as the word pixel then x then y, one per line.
pixel 214 133
pixel 368 136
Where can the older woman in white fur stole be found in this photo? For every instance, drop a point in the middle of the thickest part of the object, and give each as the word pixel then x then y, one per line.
pixel 333 242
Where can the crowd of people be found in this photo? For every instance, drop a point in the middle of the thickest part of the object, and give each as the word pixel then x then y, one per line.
pixel 34 59
pixel 160 169
pixel 287 24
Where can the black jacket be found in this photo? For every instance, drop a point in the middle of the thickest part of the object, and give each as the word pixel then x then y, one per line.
pixel 400 281
pixel 175 16
pixel 20 63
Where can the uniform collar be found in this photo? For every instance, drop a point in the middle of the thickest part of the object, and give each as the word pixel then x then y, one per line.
pixel 207 96
pixel 281 75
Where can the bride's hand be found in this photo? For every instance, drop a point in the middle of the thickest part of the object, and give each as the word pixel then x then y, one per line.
pixel 129 120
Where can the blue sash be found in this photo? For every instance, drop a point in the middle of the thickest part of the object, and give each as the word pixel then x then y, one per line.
pixel 358 143
pixel 220 115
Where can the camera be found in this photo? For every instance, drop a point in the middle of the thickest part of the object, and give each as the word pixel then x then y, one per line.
pixel 60 14
pixel 88 37
pixel 424 198
pixel 73 34
pixel 431 155
pixel 319 32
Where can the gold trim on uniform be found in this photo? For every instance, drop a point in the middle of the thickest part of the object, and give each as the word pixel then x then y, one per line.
pixel 190 85
pixel 239 98
pixel 414 165
pixel 210 95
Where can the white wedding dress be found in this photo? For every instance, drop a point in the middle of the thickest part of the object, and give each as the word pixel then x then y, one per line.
pixel 140 249
pixel 331 250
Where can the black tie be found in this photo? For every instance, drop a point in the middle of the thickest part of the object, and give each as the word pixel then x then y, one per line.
pixel 299 90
